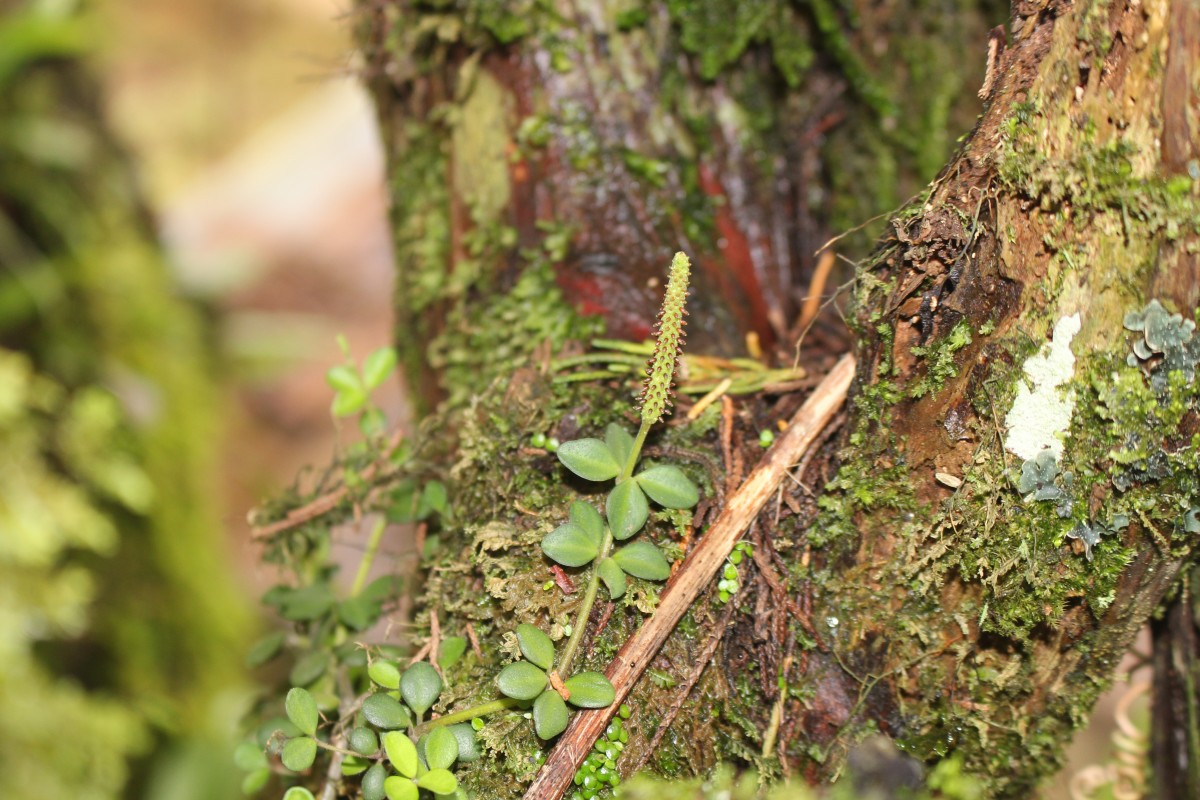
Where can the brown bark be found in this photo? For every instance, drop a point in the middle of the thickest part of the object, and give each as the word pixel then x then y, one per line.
pixel 957 617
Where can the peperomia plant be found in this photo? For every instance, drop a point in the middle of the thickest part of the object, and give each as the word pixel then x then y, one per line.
pixel 589 537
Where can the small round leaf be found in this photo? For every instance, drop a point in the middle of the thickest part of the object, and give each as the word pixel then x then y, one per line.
pixel 384 711
pixel 535 646
pixel 420 685
pixel 401 752
pixel 549 714
pixel 590 459
pixel 377 366
pixel 298 754
pixel 264 649
pixel 588 518
pixel 521 681
pixel 468 745
pixel 298 793
pixel 441 748
pixel 354 765
pixel 372 782
pixel 643 560
pixel 249 756
pixel 450 651
pixel 385 673
pixel 343 378
pixel 301 709
pixel 619 442
pixel 613 577
pixel 590 690
pixel 364 740
pixel 438 781
pixel 400 788
pixel 668 486
pixel 255 781
pixel 570 545
pixel 309 668
pixel 627 509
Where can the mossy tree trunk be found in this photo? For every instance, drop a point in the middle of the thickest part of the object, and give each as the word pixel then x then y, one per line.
pixel 959 592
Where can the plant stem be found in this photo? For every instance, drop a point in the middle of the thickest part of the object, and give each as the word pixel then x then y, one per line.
pixel 636 452
pixel 589 595
pixel 468 714
pixel 585 608
pixel 364 567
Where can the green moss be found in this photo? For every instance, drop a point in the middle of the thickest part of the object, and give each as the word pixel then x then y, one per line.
pixel 939 360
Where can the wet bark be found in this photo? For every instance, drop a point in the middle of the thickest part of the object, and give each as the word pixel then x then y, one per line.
pixel 930 600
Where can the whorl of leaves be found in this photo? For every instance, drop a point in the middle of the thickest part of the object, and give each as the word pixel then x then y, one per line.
pixel 668 342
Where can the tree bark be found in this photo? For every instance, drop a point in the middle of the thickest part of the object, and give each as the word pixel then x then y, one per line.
pixel 955 593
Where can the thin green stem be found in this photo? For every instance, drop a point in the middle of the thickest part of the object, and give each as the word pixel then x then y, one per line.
pixel 636 451
pixel 585 608
pixel 364 566
pixel 468 714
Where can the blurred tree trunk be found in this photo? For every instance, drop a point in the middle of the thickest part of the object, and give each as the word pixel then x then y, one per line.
pixel 548 157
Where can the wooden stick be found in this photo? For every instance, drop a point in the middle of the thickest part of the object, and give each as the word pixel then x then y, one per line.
pixel 698 569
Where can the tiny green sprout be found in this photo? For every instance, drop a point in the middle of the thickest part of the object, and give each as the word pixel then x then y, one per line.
pixel 766 438
pixel 538 440
pixel 353 386
pixel 552 444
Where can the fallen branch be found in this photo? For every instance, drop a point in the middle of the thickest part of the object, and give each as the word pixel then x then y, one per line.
pixel 697 570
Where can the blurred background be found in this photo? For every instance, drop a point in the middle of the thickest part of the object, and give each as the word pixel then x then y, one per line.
pixel 192 208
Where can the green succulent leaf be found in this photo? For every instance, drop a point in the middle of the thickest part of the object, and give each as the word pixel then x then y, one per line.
pixel 378 366
pixel 590 459
pixel 363 740
pixel 570 545
pixel 535 646
pixel 401 788
pixel 643 560
pixel 590 690
pixel 372 782
pixel 401 752
pixel 441 748
pixel 301 709
pixel 521 681
pixel 468 745
pixel 384 711
pixel 298 754
pixel 348 402
pixel 627 509
pixel 668 486
pixel 588 518
pixel 438 781
pixel 385 673
pixel 249 756
pixel 298 793
pixel 265 649
pixel 343 378
pixel 613 577
pixel 310 667
pixel 354 765
pixel 619 442
pixel 450 651
pixel 255 781
pixel 420 686
pixel 549 714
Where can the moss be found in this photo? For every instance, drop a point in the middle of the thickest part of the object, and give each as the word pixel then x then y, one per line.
pixel 939 360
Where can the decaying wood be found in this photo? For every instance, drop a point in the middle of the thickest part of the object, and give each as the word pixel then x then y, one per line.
pixel 698 569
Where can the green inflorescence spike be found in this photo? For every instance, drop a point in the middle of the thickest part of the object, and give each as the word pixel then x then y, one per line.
pixel 668 342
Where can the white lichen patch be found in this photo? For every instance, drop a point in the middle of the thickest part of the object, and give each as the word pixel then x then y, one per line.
pixel 1041 414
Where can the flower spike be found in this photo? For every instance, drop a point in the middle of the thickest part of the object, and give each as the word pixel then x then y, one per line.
pixel 668 343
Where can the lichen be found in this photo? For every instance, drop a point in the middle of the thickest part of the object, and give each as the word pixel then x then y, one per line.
pixel 1041 412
